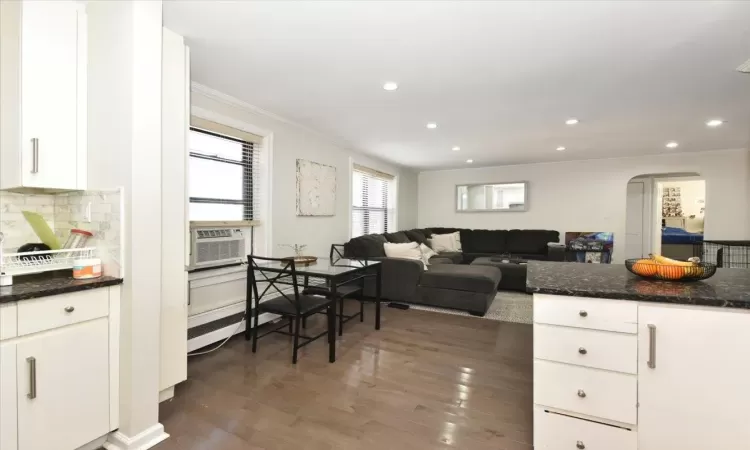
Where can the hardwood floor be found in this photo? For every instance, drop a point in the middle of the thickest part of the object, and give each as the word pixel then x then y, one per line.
pixel 424 381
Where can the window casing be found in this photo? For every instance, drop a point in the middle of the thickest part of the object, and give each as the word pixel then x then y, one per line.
pixel 373 202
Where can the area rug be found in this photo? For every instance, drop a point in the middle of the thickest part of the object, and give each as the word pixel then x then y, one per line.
pixel 507 307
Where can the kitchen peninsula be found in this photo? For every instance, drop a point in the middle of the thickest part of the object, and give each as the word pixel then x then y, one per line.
pixel 626 363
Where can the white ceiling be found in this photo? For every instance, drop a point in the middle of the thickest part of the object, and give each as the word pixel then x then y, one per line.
pixel 499 78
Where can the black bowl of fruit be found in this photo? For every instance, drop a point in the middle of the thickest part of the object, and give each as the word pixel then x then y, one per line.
pixel 658 267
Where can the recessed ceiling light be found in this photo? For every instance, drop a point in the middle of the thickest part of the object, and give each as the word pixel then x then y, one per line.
pixel 672 144
pixel 571 121
pixel 469 161
pixel 432 125
pixel 456 148
pixel 713 123
pixel 560 148
pixel 390 86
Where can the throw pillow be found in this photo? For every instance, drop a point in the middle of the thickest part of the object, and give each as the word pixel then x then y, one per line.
pixel 444 242
pixel 409 250
pixel 457 237
pixel 427 253
pixel 416 236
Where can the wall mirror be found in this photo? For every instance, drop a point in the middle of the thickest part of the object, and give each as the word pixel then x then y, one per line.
pixel 492 197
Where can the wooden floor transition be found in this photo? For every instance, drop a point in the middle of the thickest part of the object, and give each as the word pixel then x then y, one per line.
pixel 424 381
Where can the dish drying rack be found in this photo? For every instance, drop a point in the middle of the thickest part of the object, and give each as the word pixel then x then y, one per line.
pixel 42 261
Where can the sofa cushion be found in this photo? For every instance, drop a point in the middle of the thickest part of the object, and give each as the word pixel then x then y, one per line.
pixel 398 237
pixel 484 241
pixel 442 230
pixel 531 241
pixel 416 236
pixel 461 278
pixel 454 257
pixel 368 246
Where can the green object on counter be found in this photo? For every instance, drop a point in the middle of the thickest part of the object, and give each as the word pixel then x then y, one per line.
pixel 45 233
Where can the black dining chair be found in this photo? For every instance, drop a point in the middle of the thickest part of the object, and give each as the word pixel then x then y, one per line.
pixel 350 289
pixel 293 306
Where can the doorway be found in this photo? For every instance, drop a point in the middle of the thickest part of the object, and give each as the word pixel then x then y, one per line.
pixel 665 215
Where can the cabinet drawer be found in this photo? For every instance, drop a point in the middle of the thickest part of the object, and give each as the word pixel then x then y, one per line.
pixel 582 390
pixel 556 432
pixel 591 313
pixel 60 310
pixel 590 348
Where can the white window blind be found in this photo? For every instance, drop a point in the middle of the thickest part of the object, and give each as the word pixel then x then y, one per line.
pixel 223 173
pixel 373 201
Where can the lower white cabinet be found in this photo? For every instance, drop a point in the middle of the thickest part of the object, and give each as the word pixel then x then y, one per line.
pixel 59 374
pixel 689 389
pixel 695 393
pixel 63 386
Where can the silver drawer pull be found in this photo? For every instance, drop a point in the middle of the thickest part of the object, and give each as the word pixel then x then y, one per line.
pixel 582 351
pixel 580 445
pixel 651 346
pixel 69 309
pixel 32 377
pixel 581 393
pixel 583 313
pixel 34 155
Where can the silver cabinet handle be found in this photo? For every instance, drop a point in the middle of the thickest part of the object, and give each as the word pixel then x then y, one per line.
pixel 651 346
pixel 583 313
pixel 581 393
pixel 32 377
pixel 34 155
pixel 580 445
pixel 69 309
pixel 582 351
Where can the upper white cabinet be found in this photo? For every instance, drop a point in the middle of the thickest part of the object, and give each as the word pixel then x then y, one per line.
pixel 43 64
pixel 692 378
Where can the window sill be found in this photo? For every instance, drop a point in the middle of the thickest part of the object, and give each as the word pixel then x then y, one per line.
pixel 223 223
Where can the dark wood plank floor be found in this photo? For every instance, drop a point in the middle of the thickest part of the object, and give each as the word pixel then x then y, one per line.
pixel 424 381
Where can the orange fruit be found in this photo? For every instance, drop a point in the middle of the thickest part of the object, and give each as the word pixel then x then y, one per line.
pixel 645 267
pixel 670 272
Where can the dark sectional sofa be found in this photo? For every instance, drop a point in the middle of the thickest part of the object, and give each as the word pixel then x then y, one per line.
pixel 450 281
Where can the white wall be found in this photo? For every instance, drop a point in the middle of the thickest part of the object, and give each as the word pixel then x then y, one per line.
pixel 291 142
pixel 591 195
pixel 124 148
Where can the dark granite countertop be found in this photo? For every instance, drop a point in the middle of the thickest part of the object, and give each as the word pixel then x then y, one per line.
pixel 50 283
pixel 728 288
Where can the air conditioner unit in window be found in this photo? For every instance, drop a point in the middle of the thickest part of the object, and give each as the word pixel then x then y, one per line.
pixel 211 247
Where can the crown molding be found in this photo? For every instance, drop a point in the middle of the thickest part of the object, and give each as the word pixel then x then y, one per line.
pixel 242 105
pixel 239 104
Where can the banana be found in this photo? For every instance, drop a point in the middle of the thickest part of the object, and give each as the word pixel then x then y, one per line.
pixel 670 262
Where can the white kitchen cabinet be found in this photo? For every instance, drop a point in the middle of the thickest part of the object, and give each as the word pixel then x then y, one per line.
pixel 43 64
pixel 63 387
pixel 60 380
pixel 695 393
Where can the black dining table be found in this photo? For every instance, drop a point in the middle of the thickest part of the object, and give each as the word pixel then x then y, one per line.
pixel 335 272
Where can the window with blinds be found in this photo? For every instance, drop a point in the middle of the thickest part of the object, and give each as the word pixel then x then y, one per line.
pixel 373 201
pixel 223 174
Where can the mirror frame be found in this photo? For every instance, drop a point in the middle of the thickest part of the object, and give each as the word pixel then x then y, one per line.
pixel 525 198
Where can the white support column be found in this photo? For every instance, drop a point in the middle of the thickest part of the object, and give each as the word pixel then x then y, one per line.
pixel 125 68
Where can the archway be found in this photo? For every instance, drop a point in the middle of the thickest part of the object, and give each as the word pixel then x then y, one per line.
pixel 665 214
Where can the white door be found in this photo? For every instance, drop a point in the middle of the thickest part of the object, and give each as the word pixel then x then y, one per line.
pixel 63 387
pixel 49 55
pixel 634 221
pixel 696 394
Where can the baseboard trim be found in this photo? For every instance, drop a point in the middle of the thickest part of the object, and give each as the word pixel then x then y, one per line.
pixel 142 441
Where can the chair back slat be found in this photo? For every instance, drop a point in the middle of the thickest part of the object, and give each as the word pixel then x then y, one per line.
pixel 273 278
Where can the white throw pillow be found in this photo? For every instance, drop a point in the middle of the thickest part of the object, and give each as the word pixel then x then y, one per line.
pixel 427 253
pixel 410 250
pixel 445 242
pixel 457 237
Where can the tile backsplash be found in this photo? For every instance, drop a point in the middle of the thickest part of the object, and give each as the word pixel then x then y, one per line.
pixel 96 211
